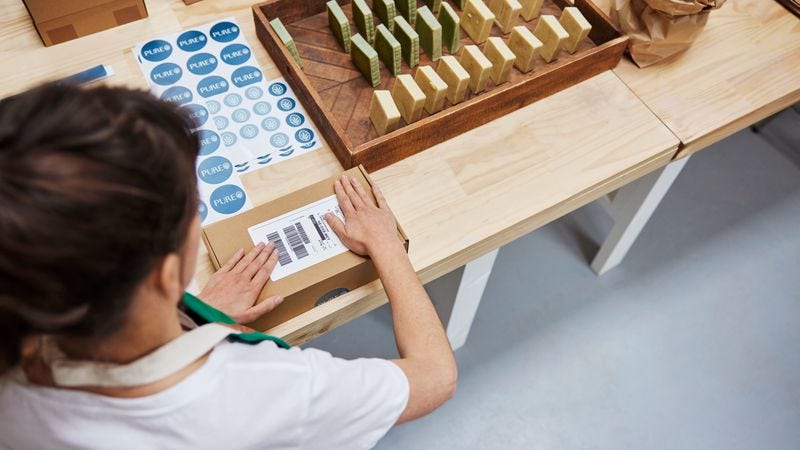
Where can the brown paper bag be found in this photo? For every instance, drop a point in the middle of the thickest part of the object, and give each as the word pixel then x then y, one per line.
pixel 659 29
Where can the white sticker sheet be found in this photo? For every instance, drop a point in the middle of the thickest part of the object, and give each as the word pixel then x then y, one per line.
pixel 243 121
pixel 302 236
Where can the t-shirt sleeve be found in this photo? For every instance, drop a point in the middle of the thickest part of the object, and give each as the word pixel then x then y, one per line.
pixel 353 403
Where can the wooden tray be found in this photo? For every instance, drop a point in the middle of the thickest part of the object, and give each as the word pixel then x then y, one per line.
pixel 337 96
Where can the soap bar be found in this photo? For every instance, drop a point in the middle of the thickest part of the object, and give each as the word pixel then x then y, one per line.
pixel 525 47
pixel 409 40
pixel 477 20
pixel 409 98
pixel 339 25
pixel 408 9
pixel 287 40
pixel 433 5
pixel 386 11
pixel 434 88
pixel 365 59
pixel 477 66
pixel 552 35
pixel 383 112
pixel 531 9
pixel 505 13
pixel 577 27
pixel 388 49
pixel 362 16
pixel 460 3
pixel 455 76
pixel 451 28
pixel 430 33
pixel 501 57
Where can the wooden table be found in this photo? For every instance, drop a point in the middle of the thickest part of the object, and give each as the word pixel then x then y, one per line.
pixel 457 201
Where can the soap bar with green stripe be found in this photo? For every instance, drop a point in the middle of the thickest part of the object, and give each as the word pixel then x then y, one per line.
pixel 451 28
pixel 433 5
pixel 386 12
pixel 362 16
pixel 287 40
pixel 365 59
pixel 407 9
pixel 388 48
pixel 409 40
pixel 339 25
pixel 430 33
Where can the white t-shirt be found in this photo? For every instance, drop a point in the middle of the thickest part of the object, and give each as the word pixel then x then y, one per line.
pixel 244 396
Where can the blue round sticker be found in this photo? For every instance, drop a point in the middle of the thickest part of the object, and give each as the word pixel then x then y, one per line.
pixel 202 63
pixel 227 199
pixel 157 50
pixel 228 138
pixel 279 140
pixel 233 99
pixel 262 108
pixel 221 122
pixel 270 123
pixel 254 92
pixel 235 54
pixel 241 115
pixel 178 95
pixel 304 135
pixel 197 113
pixel 215 170
pixel 286 104
pixel 192 41
pixel 213 106
pixel 211 86
pixel 224 32
pixel 249 131
pixel 295 119
pixel 166 73
pixel 209 141
pixel 246 75
pixel 277 89
pixel 202 209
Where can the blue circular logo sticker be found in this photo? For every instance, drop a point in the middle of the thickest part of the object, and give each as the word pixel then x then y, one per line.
pixel 286 104
pixel 221 122
pixel 202 209
pixel 277 89
pixel 197 113
pixel 279 140
pixel 295 119
pixel 213 106
pixel 209 141
pixel 157 50
pixel 249 131
pixel 202 63
pixel 233 99
pixel 262 108
pixel 224 32
pixel 215 170
pixel 166 73
pixel 192 41
pixel 227 199
pixel 178 95
pixel 246 75
pixel 235 54
pixel 254 92
pixel 211 86
pixel 304 135
pixel 228 138
pixel 270 123
pixel 241 115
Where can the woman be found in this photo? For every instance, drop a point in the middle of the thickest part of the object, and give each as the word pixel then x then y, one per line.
pixel 98 240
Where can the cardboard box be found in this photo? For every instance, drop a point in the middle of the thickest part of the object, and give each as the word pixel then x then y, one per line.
pixel 313 285
pixel 59 21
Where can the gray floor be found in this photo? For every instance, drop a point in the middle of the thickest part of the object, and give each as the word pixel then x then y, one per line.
pixel 692 343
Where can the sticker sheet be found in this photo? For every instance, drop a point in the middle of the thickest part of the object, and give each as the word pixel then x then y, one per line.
pixel 243 121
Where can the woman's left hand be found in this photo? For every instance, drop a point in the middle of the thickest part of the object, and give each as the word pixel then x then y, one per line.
pixel 234 288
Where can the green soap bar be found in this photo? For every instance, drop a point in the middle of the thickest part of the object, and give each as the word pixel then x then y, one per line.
pixel 409 40
pixel 433 5
pixel 451 28
pixel 366 59
pixel 340 27
pixel 388 49
pixel 385 10
pixel 430 33
pixel 408 9
pixel 362 16
pixel 287 40
pixel 460 3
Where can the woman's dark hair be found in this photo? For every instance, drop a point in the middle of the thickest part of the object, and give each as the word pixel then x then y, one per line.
pixel 96 186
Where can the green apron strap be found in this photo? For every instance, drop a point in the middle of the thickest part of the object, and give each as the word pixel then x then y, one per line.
pixel 207 313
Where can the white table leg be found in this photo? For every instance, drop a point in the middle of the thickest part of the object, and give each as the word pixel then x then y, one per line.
pixel 631 208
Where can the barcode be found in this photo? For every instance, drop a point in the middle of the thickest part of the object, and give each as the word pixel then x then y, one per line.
pixel 284 257
pixel 302 232
pixel 295 241
pixel 319 230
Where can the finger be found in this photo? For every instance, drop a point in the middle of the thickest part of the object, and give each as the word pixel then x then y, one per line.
pixel 344 201
pixel 380 198
pixel 261 308
pixel 262 275
pixel 365 197
pixel 262 257
pixel 335 223
pixel 351 193
pixel 232 261
pixel 248 258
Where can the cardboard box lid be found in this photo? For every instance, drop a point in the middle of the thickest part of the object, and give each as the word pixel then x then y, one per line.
pixel 43 10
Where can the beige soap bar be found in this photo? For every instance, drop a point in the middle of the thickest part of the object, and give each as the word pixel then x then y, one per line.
pixel 525 47
pixel 477 66
pixel 455 76
pixel 531 9
pixel 505 13
pixel 409 98
pixel 434 88
pixel 501 57
pixel 383 112
pixel 477 20
pixel 552 35
pixel 577 27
